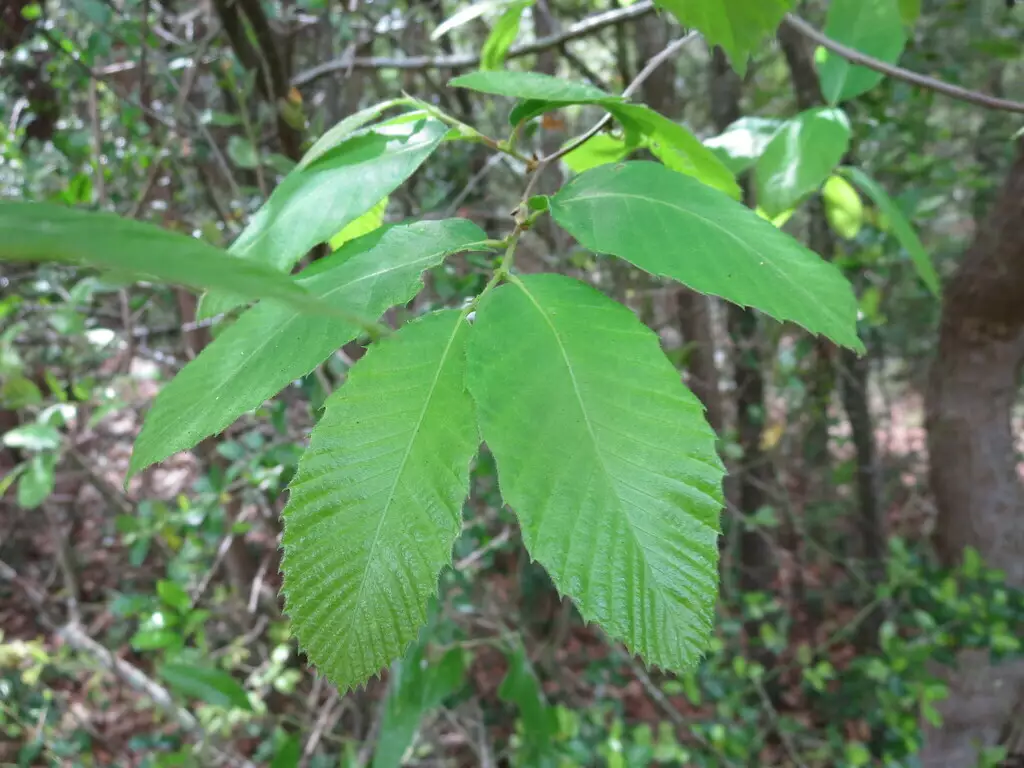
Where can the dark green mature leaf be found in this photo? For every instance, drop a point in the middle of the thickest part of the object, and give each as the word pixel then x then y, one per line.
pixel 414 689
pixel 44 232
pixel 531 85
pixel 676 147
pixel 900 225
pixel 505 32
pixel 874 27
pixel 606 459
pixel 741 144
pixel 214 686
pixel 801 156
pixel 738 26
pixel 346 129
pixel 270 346
pixel 674 226
pixel 316 201
pixel 376 505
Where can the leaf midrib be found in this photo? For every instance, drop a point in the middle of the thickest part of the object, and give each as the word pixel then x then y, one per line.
pixel 405 458
pixel 800 289
pixel 651 573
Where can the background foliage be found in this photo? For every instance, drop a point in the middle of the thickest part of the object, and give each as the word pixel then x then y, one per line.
pixel 141 623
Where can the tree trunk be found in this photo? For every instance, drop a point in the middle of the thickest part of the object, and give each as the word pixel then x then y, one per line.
pixel 973 386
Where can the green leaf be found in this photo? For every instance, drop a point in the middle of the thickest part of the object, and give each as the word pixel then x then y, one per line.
pixel 214 686
pixel 874 27
pixel 676 147
pixel 800 157
pixel 174 595
pixel 44 232
pixel 376 505
pixel 540 721
pixel 505 32
pixel 531 85
pixel 33 437
pixel 270 346
pixel 415 687
pixel 364 225
pixel 156 639
pixel 738 26
pixel 900 226
pixel 606 459
pixel 242 152
pixel 671 225
pixel 465 15
pixel 37 481
pixel 597 150
pixel 741 144
pixel 346 129
pixel 316 201
pixel 843 207
pixel 910 11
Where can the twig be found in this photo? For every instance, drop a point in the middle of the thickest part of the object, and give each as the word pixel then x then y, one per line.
pixel 329 716
pixel 493 544
pixel 773 716
pixel 75 635
pixel 656 61
pixel 584 28
pixel 898 73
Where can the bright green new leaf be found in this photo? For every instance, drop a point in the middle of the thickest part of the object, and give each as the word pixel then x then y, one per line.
pixel 316 201
pixel 37 480
pixel 376 505
pixel 465 15
pixel 505 32
pixel 33 437
pixel 364 225
pixel 415 687
pixel 843 207
pixel 605 457
pixel 874 27
pixel 531 85
pixel 674 226
pixel 597 150
pixel 676 147
pixel 738 26
pixel 741 144
pixel 900 226
pixel 208 684
pixel 800 157
pixel 45 232
pixel 270 346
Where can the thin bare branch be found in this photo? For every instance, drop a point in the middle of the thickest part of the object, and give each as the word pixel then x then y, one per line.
pixel 898 73
pixel 588 26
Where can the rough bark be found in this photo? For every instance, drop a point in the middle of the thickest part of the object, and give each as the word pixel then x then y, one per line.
pixel 974 383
